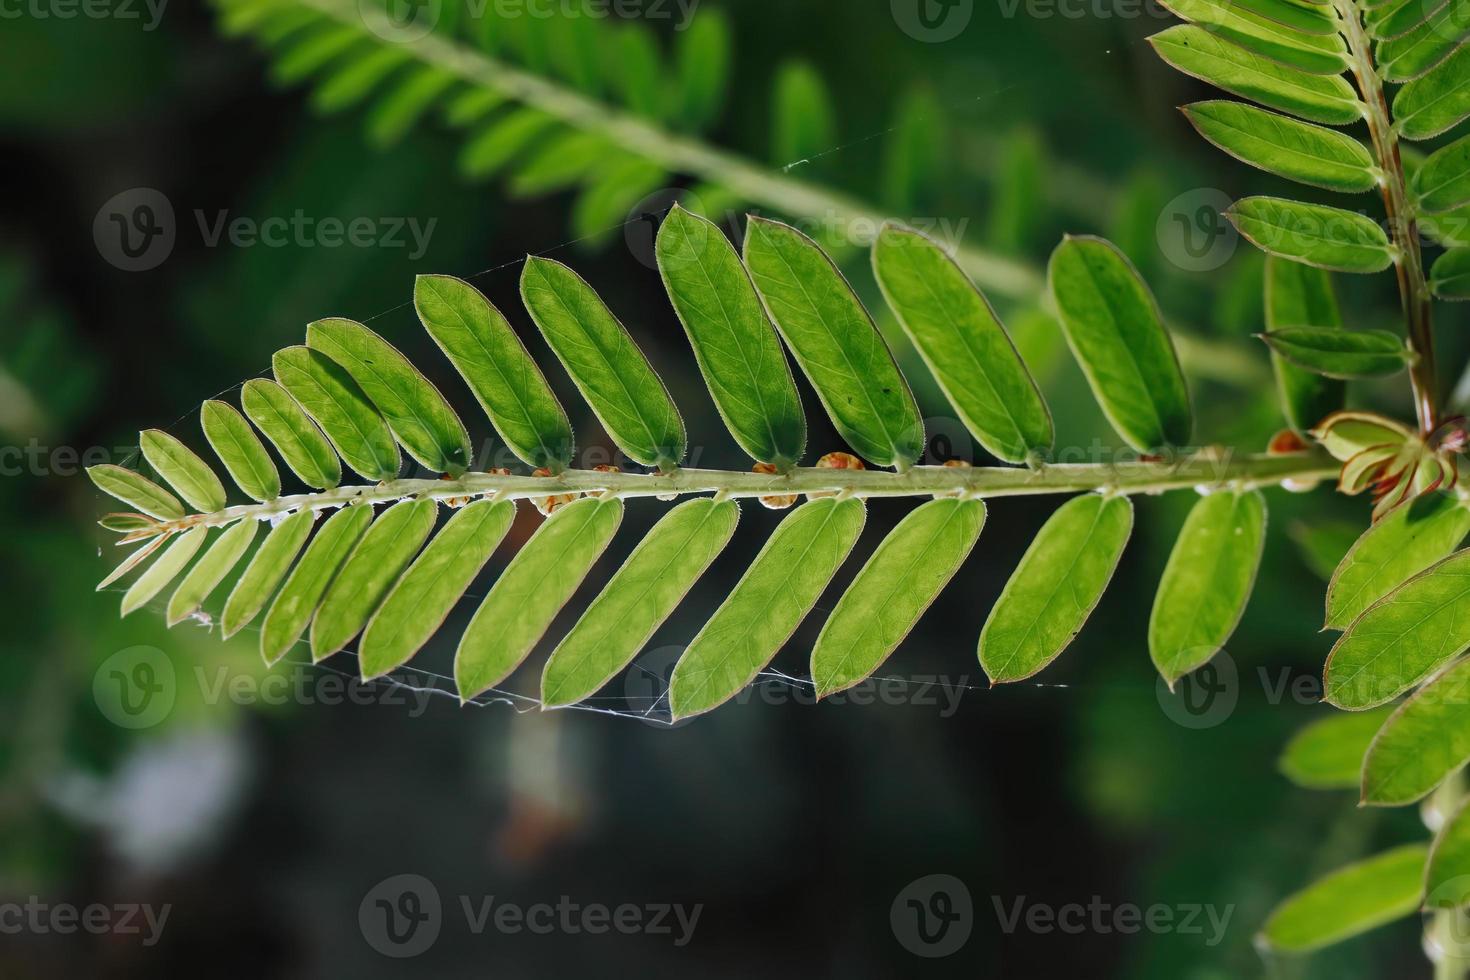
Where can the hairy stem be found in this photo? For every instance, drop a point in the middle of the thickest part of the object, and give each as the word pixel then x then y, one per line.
pixel 1403 228
pixel 1203 470
pixel 747 179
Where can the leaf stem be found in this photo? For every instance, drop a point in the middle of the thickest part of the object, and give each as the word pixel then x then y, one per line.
pixel 1201 470
pixel 1399 209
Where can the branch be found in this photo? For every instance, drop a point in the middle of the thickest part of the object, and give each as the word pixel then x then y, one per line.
pixel 1201 470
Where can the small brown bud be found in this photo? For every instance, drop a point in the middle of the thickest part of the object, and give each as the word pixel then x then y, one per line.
pixel 778 501
pixel 548 505
pixel 836 461
pixel 1284 442
pixel 953 464
pixel 603 468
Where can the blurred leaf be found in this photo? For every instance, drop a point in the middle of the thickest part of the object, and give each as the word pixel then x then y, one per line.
pixel 803 124
pixel 1349 901
pixel 1425 741
pixel 1299 295
pixel 1328 754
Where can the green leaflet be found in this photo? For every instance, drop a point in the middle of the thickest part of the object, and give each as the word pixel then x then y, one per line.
pixel 136 490
pixel 1308 18
pixel 369 572
pixel 1318 54
pixel 1415 52
pixel 1422 743
pixel 562 161
pixel 1407 541
pixel 351 83
pixel 1442 182
pixel 1300 295
pixel 702 70
pixel 240 449
pixel 1349 901
pixel 613 192
pixel 329 395
pixel 182 469
pixel 163 570
pixel 628 397
pixel 1329 238
pixel 1281 145
pixel 767 604
pixel 1328 754
pixel 210 570
pixel 531 591
pixel 503 140
pixel 266 569
pixel 423 597
pixel 1437 101
pixel 640 596
pixel 802 124
pixel 133 560
pixel 737 350
pixel 1054 589
pixel 420 418
pixel 483 347
pixel 1338 353
pixel 1386 19
pixel 297 601
pixel 1447 876
pixel 392 116
pixel 1207 581
pixel 1321 546
pixel 1402 638
pixel 303 58
pixel 914 157
pixel 1320 98
pixel 296 437
pixel 835 342
pixel 1450 277
pixel 907 572
pixel 1115 331
pixel 962 341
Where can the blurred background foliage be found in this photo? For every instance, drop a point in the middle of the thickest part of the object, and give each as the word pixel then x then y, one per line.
pixel 794 825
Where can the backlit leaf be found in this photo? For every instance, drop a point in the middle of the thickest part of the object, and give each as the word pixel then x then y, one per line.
pixel 295 436
pixel 1328 754
pixel 531 590
pixel 369 572
pixel 1338 353
pixel 1054 589
pixel 836 344
pixel 1319 54
pixel 240 449
pixel 1401 545
pixel 1117 334
pixel 268 566
pixel 1437 101
pixel 180 467
pixel 962 341
pixel 421 600
pixel 1423 742
pixel 1350 901
pixel 1329 238
pixel 420 418
pixel 298 599
pixel 164 569
pixel 210 570
pixel 1207 581
pixel 1447 875
pixel 655 578
pixel 613 375
pixel 903 577
pixel 738 352
pixel 1281 145
pixel 136 490
pixel 483 347
pixel 346 416
pixel 1403 638
pixel 767 604
pixel 1320 98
